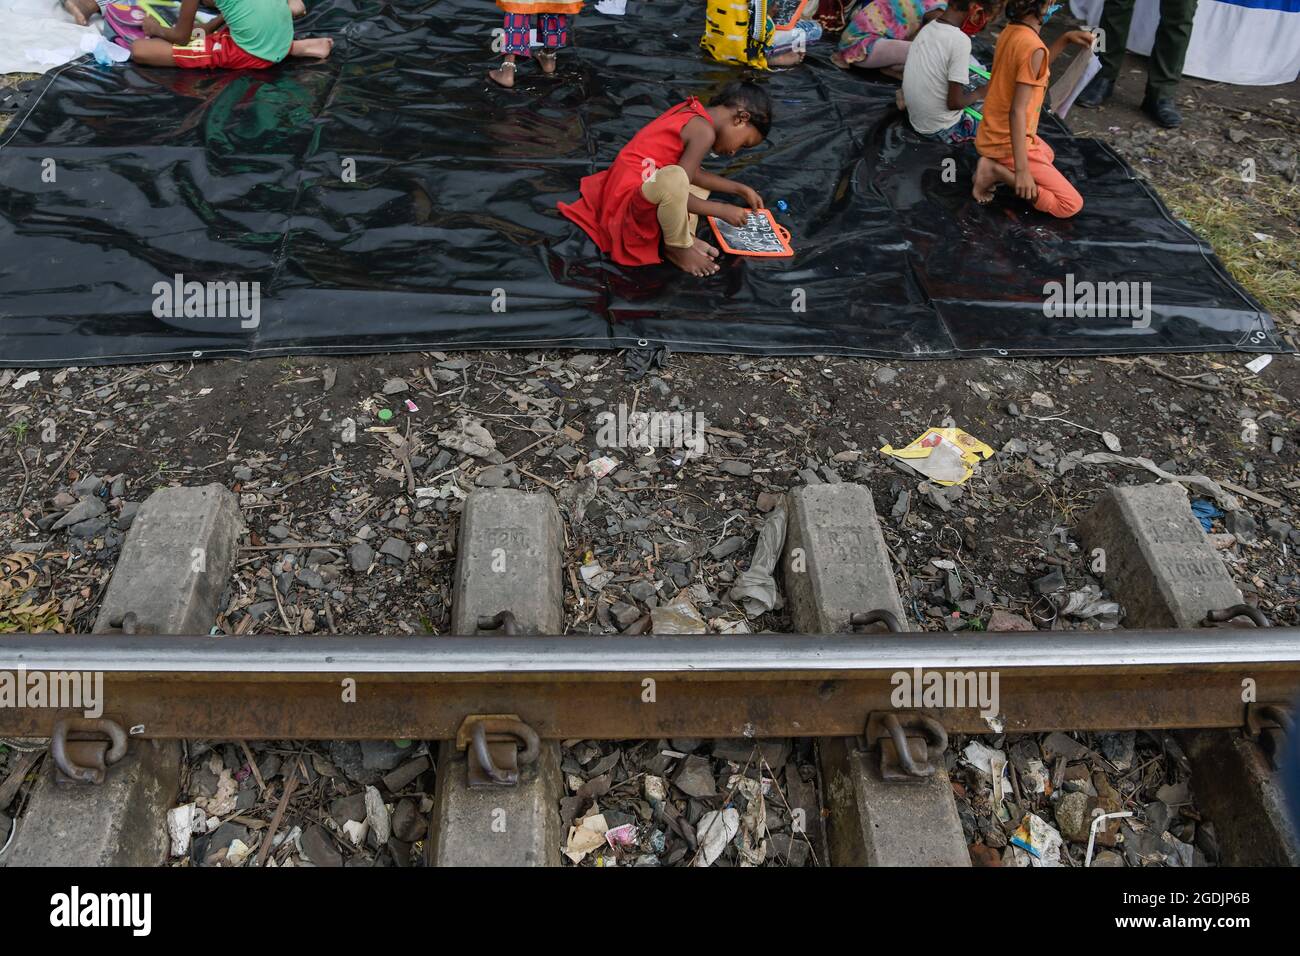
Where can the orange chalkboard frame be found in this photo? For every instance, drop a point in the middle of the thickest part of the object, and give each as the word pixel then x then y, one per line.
pixel 779 230
pixel 794 17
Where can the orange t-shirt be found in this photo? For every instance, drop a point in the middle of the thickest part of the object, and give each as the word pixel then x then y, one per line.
pixel 1012 64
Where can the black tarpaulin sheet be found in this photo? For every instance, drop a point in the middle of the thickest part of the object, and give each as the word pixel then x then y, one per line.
pixel 239 177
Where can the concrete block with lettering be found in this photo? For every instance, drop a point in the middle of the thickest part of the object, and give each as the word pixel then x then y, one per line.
pixel 875 822
pixel 175 562
pixel 1158 563
pixel 122 822
pixel 508 558
pixel 836 563
pixel 496 826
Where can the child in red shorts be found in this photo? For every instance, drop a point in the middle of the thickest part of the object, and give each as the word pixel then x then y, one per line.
pixel 247 35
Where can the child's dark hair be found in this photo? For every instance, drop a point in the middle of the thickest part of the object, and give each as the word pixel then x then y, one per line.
pixel 1019 9
pixel 750 97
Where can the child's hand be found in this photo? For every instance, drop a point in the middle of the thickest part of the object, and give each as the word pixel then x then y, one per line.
pixel 1080 37
pixel 152 28
pixel 752 199
pixel 736 216
pixel 1026 188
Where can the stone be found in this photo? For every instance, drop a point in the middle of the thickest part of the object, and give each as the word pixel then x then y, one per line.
pixel 408 823
pixel 740 469
pixel 319 848
pixel 1072 817
pixel 361 556
pixel 406 774
pixel 396 549
pixel 1118 748
pixel 767 500
pixel 381 754
pixel 81 511
pixel 727 546
pixel 350 807
pixel 695 778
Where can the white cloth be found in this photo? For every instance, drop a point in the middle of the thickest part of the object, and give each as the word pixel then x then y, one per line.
pixel 39 35
pixel 1248 42
pixel 939 55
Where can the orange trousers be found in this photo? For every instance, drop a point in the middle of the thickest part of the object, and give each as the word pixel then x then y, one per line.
pixel 1056 196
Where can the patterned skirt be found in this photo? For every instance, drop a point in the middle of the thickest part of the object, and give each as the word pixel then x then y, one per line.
pixel 874 20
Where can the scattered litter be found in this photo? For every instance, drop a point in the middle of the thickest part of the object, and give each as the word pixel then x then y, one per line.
pixel 678 616
pixel 1209 486
pixel 587 835
pixel 946 456
pixel 717 828
pixel 470 437
pixel 182 823
pixel 1205 513
pixel 1087 604
pixel 624 835
pixel 756 588
pixel 411 406
pixel 22 381
pixel 385 414
pixel 602 466
pixel 1257 365
pixel 1040 840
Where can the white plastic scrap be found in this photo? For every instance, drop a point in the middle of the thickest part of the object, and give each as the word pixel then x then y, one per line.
pixel 182 823
pixel 717 828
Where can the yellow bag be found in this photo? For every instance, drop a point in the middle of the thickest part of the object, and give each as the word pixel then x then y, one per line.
pixel 738 31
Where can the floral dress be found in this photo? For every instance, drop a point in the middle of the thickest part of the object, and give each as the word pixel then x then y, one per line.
pixel 874 20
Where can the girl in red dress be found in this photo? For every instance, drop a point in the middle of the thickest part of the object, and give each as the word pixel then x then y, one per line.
pixel 655 190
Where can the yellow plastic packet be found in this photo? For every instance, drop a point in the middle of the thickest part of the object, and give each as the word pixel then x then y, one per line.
pixel 947 456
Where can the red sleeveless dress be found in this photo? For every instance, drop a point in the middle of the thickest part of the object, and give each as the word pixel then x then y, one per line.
pixel 612 210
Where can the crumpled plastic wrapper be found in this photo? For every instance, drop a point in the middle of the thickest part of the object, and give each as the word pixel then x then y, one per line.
pixel 755 590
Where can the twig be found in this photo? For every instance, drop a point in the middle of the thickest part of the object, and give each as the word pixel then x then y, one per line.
pixel 252 764
pixel 22 492
pixel 1155 370
pixel 292 782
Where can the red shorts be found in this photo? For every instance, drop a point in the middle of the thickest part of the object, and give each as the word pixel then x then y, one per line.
pixel 219 50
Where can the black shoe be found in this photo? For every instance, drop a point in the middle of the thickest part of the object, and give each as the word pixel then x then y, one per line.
pixel 1163 111
pixel 1096 92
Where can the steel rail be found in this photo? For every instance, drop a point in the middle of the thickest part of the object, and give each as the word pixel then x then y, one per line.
pixel 652 686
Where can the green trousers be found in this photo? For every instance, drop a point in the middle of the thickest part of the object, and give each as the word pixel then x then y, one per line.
pixel 1165 68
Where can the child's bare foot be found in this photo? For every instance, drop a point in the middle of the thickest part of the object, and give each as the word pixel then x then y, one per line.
pixel 317 47
pixel 899 101
pixel 790 58
pixel 691 260
pixel 708 250
pixel 504 75
pixel 989 174
pixel 81 10
pixel 839 61
pixel 893 72
pixel 547 62
pixel 297 7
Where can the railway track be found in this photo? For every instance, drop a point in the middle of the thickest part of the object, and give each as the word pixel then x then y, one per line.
pixel 502 697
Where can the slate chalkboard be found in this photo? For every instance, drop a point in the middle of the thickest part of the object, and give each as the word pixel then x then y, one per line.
pixel 760 236
pixel 785 13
